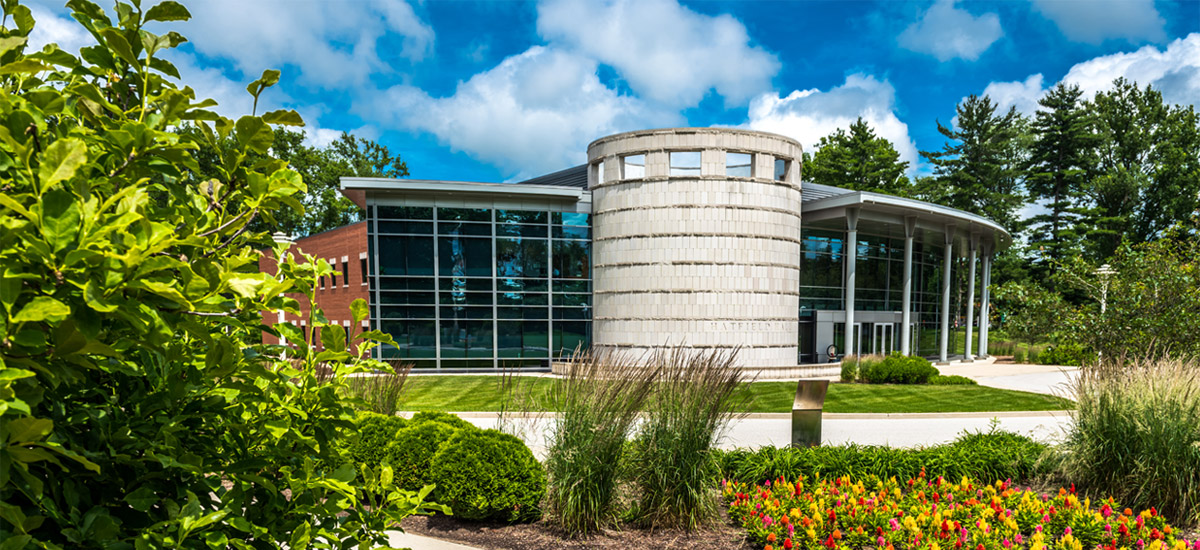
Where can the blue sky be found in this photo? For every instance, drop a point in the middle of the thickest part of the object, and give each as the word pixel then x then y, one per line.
pixel 504 90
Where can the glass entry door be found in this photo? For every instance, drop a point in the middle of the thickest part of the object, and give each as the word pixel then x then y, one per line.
pixel 883 342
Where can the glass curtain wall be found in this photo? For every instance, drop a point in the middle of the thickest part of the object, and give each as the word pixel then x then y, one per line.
pixel 480 288
pixel 879 282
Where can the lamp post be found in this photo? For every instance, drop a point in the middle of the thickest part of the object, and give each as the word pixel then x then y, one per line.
pixel 1104 272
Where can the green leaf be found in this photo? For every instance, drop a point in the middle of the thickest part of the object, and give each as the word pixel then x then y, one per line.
pixel 286 117
pixel 60 218
pixel 244 286
pixel 143 499
pixel 24 66
pixel 23 17
pixel 60 161
pixel 168 11
pixel 277 428
pixel 42 308
pixel 254 134
pixel 359 310
pixel 333 338
pixel 9 374
pixel 10 42
pixel 119 45
pixel 28 430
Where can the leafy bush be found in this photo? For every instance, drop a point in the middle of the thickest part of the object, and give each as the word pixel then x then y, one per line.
pixel 952 380
pixel 446 418
pixel 489 475
pixel 674 464
pixel 849 368
pixel 1019 356
pixel 1136 435
pixel 372 434
pixel 599 400
pixel 898 369
pixel 993 456
pixel 1071 355
pixel 411 451
pixel 139 406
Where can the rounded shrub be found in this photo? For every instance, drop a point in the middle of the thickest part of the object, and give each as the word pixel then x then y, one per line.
pixel 898 369
pixel 412 449
pixel 444 418
pixel 952 380
pixel 486 474
pixel 373 434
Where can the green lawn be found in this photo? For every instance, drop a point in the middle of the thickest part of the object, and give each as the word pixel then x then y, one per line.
pixel 483 393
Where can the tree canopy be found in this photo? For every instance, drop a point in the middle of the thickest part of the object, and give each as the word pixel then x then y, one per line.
pixel 858 160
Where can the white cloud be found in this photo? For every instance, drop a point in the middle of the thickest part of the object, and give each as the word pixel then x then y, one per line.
pixel 809 115
pixel 666 52
pixel 49 28
pixel 334 44
pixel 947 32
pixel 533 113
pixel 1097 20
pixel 1174 71
pixel 1022 95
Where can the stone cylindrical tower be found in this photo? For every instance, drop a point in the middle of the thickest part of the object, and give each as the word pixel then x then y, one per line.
pixel 696 241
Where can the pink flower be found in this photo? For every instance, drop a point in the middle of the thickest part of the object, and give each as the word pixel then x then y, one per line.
pixel 882 543
pixel 791 529
pixel 1020 539
pixel 1006 543
pixel 895 524
pixel 1067 531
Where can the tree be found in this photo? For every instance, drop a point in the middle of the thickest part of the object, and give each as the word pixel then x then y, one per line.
pixel 1030 312
pixel 979 169
pixel 1060 163
pixel 138 405
pixel 1148 167
pixel 858 160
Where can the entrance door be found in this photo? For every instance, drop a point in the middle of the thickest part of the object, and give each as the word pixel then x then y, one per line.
pixel 883 341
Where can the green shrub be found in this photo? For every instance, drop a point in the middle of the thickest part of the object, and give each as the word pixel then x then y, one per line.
pixel 866 364
pixel 489 475
pixel 849 368
pixel 443 417
pixel 898 369
pixel 952 380
pixel 411 452
pixel 986 456
pixel 1019 355
pixel 1136 435
pixel 1070 355
pixel 372 436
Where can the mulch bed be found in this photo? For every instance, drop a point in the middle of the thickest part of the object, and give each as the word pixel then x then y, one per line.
pixel 541 535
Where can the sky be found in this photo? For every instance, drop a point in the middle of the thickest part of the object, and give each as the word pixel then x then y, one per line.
pixel 506 90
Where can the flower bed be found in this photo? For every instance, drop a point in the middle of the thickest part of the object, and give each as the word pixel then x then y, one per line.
pixel 937 515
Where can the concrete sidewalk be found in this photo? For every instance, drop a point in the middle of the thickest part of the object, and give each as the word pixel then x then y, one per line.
pixel 1044 379
pixel 396 539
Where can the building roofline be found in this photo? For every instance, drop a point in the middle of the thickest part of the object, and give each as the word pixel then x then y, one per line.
pixel 390 185
pixel 850 199
pixel 693 130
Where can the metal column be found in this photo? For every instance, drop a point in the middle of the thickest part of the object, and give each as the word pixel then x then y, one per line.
pixel 851 256
pixel 984 306
pixel 967 356
pixel 948 255
pixel 910 228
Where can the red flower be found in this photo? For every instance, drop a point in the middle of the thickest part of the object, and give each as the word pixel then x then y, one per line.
pixel 787 544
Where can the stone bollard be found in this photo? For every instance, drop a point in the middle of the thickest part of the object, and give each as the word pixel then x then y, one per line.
pixel 806 412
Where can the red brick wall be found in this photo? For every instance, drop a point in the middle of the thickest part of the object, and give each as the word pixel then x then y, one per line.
pixel 349 242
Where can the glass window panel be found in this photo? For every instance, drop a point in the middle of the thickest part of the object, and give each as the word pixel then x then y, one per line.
pixel 413 338
pixel 598 172
pixel 475 364
pixel 572 313
pixel 406 298
pixel 466 338
pixel 520 216
pixel 572 286
pixel 514 230
pixel 521 285
pixel 406 255
pixel 405 283
pixel 463 284
pixel 530 313
pixel 572 232
pixel 471 312
pixel 465 298
pixel 464 257
pixel 423 228
pixel 464 214
pixel 572 299
pixel 522 363
pixel 406 312
pixel 568 335
pixel 571 218
pixel 633 166
pixel 572 259
pixel 460 228
pixel 522 339
pixel 738 165
pixel 521 258
pixel 685 163
pixel 781 169
pixel 521 298
pixel 404 212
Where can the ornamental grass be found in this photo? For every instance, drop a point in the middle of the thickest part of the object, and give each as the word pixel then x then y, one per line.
pixel 887 514
pixel 1136 434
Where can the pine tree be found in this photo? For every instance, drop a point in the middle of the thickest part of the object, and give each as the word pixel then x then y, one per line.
pixel 1059 165
pixel 858 160
pixel 979 169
